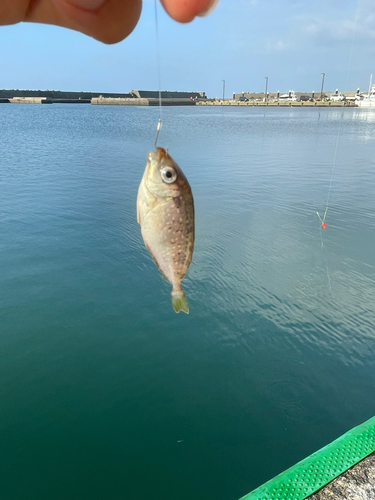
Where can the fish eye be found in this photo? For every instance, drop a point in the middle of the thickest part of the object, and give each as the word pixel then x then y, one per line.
pixel 168 174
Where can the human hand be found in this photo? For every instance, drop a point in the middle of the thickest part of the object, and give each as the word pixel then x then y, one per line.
pixel 106 20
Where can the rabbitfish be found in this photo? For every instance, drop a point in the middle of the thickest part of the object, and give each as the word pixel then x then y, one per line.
pixel 165 211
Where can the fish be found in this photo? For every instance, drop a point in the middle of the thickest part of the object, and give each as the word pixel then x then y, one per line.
pixel 165 212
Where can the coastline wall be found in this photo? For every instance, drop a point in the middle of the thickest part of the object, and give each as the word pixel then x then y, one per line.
pixel 105 101
pixel 281 104
pixel 57 95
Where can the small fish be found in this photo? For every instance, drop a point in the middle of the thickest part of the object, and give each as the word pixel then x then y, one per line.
pixel 165 211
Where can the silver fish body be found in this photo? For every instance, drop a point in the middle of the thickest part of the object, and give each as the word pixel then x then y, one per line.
pixel 165 211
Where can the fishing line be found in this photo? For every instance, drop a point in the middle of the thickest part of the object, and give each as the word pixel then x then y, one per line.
pixel 160 121
pixel 322 220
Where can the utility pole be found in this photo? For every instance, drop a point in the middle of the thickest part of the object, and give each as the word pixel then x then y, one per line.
pixel 265 94
pixel 321 91
pixel 223 89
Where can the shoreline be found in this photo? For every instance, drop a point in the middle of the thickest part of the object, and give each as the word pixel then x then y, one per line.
pixel 118 101
pixel 283 104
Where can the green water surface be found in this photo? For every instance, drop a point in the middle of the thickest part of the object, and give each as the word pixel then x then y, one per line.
pixel 106 393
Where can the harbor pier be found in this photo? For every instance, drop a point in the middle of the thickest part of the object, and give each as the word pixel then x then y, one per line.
pixel 281 104
pixel 135 101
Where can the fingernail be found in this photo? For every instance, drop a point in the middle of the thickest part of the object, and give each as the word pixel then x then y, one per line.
pixel 210 9
pixel 87 4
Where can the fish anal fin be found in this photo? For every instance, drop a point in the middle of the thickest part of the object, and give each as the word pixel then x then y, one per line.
pixel 156 262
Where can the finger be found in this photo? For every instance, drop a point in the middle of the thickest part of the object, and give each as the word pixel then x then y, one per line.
pixel 13 11
pixel 185 11
pixel 106 20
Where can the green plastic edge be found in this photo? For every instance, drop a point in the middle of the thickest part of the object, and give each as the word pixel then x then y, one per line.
pixel 320 468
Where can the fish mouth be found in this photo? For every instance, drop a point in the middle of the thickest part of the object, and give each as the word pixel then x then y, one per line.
pixel 152 166
pixel 155 158
pixel 160 154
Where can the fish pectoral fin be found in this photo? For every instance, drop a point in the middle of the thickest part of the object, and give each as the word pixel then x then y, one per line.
pixel 179 302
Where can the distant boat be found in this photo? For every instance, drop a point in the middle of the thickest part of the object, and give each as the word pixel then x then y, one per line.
pixel 290 96
pixel 368 101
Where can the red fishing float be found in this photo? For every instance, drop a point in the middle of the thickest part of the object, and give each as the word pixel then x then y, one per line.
pixel 324 225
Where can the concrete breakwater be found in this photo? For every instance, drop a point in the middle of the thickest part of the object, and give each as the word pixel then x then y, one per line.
pixel 57 95
pixel 134 101
pixel 151 98
pixel 30 100
pixel 113 101
pixel 133 98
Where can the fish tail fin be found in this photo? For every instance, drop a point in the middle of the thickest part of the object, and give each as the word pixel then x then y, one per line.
pixel 179 301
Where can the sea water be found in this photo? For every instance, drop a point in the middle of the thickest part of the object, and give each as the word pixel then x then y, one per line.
pixel 104 391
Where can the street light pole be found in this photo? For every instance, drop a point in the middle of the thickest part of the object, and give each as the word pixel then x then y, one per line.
pixel 321 91
pixel 265 94
pixel 223 89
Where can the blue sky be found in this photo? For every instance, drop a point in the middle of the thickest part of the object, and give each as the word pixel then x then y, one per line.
pixel 290 41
